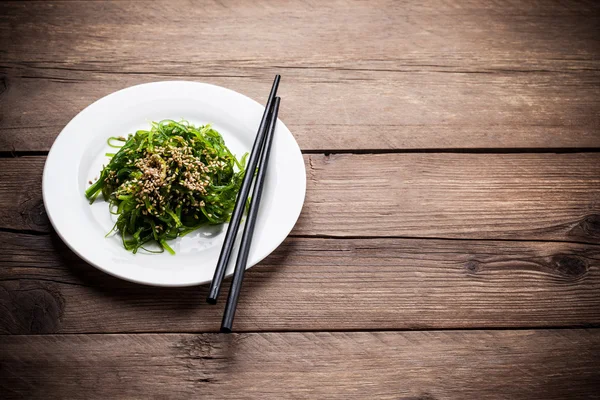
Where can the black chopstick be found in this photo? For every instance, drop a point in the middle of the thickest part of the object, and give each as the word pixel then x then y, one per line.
pixel 240 203
pixel 242 259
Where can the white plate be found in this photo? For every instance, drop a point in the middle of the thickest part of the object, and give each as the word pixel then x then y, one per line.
pixel 77 156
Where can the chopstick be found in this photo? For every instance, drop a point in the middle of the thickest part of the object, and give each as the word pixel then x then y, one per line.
pixel 240 203
pixel 242 259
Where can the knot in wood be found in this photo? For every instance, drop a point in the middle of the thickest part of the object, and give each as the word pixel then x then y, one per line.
pixel 472 266
pixel 591 225
pixel 570 266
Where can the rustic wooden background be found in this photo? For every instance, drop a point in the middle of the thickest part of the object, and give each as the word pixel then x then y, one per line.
pixel 449 246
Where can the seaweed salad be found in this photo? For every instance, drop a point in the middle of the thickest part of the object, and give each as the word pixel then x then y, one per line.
pixel 167 182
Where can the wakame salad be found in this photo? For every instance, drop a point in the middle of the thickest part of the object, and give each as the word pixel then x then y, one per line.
pixel 167 182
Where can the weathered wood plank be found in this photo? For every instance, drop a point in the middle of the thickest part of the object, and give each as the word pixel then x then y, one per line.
pixel 467 33
pixel 315 284
pixel 407 110
pixel 477 196
pixel 21 205
pixel 514 196
pixel 378 75
pixel 549 364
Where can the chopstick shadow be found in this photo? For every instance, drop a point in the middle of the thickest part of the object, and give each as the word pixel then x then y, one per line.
pixel 174 305
pixel 106 285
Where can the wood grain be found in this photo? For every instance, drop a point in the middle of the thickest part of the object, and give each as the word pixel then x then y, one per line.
pixel 428 84
pixel 315 284
pixel 532 34
pixel 474 196
pixel 550 364
pixel 441 232
pixel 514 196
pixel 413 110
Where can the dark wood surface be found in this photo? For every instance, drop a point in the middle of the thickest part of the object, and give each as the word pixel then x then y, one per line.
pixel 316 284
pixel 449 245
pixel 350 365
pixel 363 75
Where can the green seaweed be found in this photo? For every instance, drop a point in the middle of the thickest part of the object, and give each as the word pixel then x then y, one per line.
pixel 167 182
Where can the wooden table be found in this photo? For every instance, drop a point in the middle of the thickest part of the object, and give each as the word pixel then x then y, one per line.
pixel 449 246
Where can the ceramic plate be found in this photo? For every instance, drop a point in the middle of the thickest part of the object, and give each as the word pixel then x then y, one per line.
pixel 77 156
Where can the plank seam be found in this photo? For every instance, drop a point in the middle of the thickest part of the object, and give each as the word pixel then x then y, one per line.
pixel 327 152
pixel 591 327
pixel 358 237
